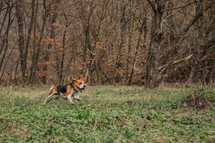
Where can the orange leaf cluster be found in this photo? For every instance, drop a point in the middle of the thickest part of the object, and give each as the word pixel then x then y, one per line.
pixel 79 67
pixel 46 63
pixel 57 25
pixel 47 41
pixel 43 73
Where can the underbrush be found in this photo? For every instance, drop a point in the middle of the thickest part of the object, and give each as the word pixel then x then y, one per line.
pixel 106 114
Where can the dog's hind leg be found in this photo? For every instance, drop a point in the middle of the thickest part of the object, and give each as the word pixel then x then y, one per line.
pixel 56 96
pixel 49 98
pixel 52 94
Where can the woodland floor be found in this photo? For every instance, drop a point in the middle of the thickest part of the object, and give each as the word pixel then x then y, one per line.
pixel 106 114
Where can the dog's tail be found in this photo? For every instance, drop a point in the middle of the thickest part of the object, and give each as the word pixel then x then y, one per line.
pixel 52 88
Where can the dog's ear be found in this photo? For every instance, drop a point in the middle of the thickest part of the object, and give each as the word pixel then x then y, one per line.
pixel 72 79
pixel 81 77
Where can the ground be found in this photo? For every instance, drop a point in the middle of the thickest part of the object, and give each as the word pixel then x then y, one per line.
pixel 105 114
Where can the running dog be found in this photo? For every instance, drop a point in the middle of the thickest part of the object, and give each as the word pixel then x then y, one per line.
pixel 67 91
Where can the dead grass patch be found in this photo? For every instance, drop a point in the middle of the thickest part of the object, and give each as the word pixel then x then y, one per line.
pixel 31 95
pixel 23 92
pixel 197 100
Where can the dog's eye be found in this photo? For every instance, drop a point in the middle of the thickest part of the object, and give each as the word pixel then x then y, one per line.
pixel 80 82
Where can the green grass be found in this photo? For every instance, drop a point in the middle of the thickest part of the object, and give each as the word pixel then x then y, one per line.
pixel 105 114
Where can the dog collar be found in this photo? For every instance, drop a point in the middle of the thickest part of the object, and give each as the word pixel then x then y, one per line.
pixel 76 90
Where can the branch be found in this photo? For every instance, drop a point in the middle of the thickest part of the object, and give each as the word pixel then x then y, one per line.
pixel 179 7
pixel 152 5
pixel 195 19
pixel 7 7
pixel 161 68
pixel 209 67
pixel 168 16
pixel 170 28
pixel 210 43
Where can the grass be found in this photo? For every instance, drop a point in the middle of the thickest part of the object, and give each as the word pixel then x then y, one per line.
pixel 105 114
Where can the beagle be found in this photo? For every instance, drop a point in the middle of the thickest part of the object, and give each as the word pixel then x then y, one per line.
pixel 67 91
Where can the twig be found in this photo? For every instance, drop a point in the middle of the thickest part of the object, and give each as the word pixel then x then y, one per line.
pixel 206 68
pixel 179 7
pixel 172 14
pixel 152 5
pixel 170 28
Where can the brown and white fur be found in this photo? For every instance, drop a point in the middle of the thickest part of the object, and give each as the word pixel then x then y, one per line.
pixel 72 90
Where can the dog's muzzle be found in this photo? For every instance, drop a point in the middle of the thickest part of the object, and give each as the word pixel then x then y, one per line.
pixel 81 89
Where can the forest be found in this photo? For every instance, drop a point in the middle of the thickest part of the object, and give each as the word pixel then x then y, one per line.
pixel 148 67
pixel 123 42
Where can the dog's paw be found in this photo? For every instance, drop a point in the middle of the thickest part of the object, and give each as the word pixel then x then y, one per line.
pixel 77 99
pixel 72 103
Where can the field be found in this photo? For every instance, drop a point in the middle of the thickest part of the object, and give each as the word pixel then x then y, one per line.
pixel 105 114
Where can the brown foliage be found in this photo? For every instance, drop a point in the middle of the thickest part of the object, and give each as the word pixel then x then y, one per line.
pixel 197 100
pixel 114 42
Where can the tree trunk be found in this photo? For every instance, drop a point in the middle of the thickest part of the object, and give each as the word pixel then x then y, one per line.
pixel 136 52
pixel 21 42
pixel 5 41
pixel 37 43
pixel 63 55
pixel 154 50
pixel 122 38
pixel 52 36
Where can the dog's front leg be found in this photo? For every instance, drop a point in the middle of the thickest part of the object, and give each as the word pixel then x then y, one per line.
pixel 69 97
pixel 69 94
pixel 76 96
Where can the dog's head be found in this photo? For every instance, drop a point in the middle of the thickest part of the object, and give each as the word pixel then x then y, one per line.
pixel 79 84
